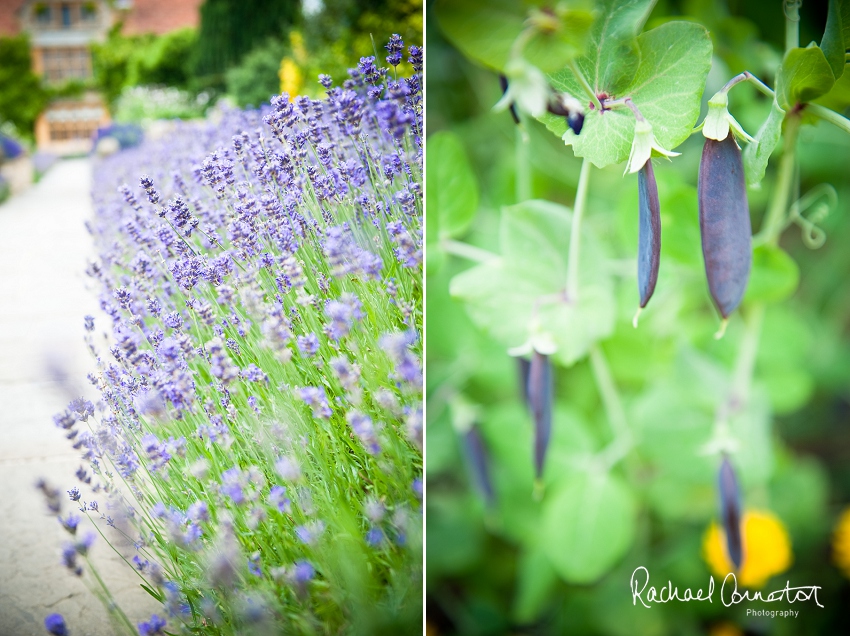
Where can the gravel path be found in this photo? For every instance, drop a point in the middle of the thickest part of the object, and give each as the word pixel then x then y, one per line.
pixel 44 248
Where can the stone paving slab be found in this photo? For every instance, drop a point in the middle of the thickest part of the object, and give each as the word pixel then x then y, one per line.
pixel 44 248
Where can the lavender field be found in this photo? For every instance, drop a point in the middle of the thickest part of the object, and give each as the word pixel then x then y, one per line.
pixel 258 438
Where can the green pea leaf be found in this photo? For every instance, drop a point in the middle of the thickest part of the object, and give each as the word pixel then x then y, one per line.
pixel 550 50
pixel 452 188
pixel 483 30
pixel 774 276
pixel 756 155
pixel 486 30
pixel 805 75
pixel 521 294
pixel 836 36
pixel 588 525
pixel 838 98
pixel 614 54
pixel 666 86
pixel 535 581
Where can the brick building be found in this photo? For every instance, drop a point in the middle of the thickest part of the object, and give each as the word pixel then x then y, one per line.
pixel 61 32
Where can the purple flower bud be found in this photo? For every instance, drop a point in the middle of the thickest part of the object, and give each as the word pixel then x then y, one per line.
pixel 154 627
pixel 479 462
pixel 55 624
pixel 540 402
pixel 730 512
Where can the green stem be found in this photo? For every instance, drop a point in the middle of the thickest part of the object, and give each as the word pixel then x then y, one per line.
pixel 585 85
pixel 775 220
pixel 467 251
pixel 764 88
pixel 829 115
pixel 112 606
pixel 608 392
pixel 792 24
pixel 571 291
pixel 523 166
pixel 746 363
pixel 614 410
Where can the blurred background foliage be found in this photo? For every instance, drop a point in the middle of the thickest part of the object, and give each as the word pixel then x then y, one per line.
pixel 22 93
pixel 490 568
pixel 243 50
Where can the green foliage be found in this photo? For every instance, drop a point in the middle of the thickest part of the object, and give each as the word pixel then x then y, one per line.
pixel 124 61
pixel 346 30
pixel 452 188
pixel 665 78
pixel 486 31
pixel 230 29
pixel 519 300
pixel 640 416
pixel 22 96
pixel 804 76
pixel 756 155
pixel 256 78
pixel 143 104
pixel 596 511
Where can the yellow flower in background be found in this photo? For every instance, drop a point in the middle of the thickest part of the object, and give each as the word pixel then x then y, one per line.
pixel 291 79
pixel 841 543
pixel 296 42
pixel 725 629
pixel 767 549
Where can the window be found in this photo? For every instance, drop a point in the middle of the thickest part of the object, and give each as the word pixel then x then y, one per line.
pixel 66 16
pixel 72 130
pixel 43 15
pixel 88 12
pixel 64 63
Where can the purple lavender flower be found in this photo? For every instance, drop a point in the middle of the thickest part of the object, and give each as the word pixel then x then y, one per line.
pixel 70 523
pixel 253 373
pixel 198 511
pixel 55 624
pixel 407 251
pixel 303 572
pixel 395 47
pixel 316 398
pixel 233 483
pixel 362 426
pixel 308 345
pixel 154 627
pixel 288 468
pixel 375 536
pixel 347 373
pixel 415 58
pixel 397 347
pixel 221 366
pixel 277 498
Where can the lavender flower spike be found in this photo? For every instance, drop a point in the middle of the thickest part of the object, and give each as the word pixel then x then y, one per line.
pixel 540 402
pixel 730 512
pixel 55 624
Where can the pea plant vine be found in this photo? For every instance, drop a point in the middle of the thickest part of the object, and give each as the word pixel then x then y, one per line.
pixel 551 295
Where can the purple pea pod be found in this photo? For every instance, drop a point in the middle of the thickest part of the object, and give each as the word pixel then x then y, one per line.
pixel 724 220
pixel 540 402
pixel 479 463
pixel 503 82
pixel 523 369
pixel 649 233
pixel 730 512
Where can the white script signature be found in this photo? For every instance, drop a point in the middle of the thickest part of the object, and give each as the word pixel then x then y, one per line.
pixel 729 594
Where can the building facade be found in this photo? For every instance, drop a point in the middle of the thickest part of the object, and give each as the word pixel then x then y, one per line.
pixel 61 33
